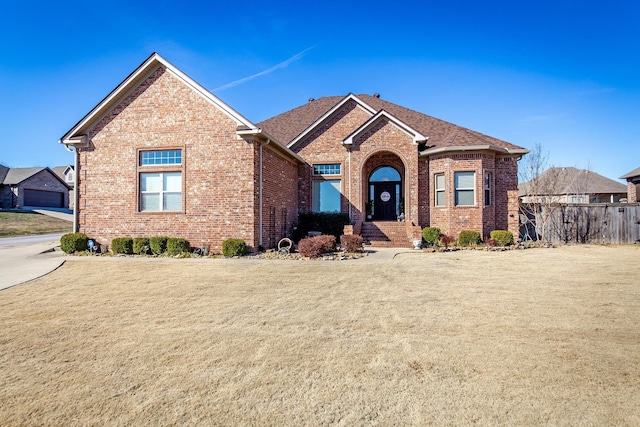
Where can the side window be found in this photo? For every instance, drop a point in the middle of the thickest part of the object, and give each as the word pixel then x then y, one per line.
pixel 439 189
pixel 160 181
pixel 465 188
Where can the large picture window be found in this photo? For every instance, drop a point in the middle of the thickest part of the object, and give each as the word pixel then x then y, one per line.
pixel 161 192
pixel 465 188
pixel 439 186
pixel 326 196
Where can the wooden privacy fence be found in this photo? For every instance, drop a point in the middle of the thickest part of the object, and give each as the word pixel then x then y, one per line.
pixel 584 223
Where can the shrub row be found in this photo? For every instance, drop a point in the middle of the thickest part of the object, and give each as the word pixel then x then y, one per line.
pixel 432 236
pixel 156 245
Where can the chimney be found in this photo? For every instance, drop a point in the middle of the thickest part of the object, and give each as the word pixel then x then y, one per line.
pixel 311 99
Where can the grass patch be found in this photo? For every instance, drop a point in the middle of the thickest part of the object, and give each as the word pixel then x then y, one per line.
pixel 24 223
pixel 535 337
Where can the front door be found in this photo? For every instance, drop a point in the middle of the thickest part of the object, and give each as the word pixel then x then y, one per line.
pixel 384 201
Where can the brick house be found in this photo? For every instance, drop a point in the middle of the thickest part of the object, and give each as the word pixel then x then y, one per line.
pixel 160 155
pixel 36 187
pixel 633 184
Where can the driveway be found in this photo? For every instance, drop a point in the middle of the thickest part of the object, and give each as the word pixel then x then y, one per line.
pixel 26 258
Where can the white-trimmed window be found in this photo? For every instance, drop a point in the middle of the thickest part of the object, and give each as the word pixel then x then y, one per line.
pixel 161 192
pixel 326 169
pixel 439 189
pixel 160 157
pixel 464 183
pixel 487 188
pixel 326 195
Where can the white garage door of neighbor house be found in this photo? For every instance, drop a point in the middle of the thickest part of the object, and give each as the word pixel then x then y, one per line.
pixel 49 199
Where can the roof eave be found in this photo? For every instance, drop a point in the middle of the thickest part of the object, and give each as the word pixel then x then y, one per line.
pixel 486 147
pixel 261 134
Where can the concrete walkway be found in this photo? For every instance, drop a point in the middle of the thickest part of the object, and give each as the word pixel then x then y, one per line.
pixel 25 262
pixel 66 214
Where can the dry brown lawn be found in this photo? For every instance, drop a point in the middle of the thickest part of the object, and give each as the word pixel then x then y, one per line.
pixel 535 337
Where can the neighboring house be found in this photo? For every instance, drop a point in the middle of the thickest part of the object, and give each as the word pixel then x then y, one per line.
pixel 633 184
pixel 67 174
pixel 161 155
pixel 571 185
pixel 38 186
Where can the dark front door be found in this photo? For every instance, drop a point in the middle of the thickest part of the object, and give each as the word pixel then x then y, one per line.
pixel 384 204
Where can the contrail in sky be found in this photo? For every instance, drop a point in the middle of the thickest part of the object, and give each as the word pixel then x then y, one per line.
pixel 283 64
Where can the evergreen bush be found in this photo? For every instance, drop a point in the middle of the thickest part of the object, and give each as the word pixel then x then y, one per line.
pixel 324 222
pixel 73 242
pixel 469 238
pixel 234 247
pixel 176 246
pixel 431 235
pixel 141 245
pixel 502 237
pixel 158 244
pixel 122 245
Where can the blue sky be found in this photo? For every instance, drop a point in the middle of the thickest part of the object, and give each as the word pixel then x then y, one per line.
pixel 562 74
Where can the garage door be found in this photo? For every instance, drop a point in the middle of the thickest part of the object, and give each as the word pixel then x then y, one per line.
pixel 49 199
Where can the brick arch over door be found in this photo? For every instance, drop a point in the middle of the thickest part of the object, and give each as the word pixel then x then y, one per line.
pixel 375 161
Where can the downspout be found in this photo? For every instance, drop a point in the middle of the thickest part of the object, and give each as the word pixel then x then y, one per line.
pixel 350 184
pixel 75 186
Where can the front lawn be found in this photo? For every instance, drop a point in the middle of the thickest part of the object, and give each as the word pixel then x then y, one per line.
pixel 24 223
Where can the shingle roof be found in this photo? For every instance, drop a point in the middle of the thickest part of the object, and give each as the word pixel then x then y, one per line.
pixel 17 175
pixel 288 125
pixel 634 173
pixel 567 180
pixel 3 172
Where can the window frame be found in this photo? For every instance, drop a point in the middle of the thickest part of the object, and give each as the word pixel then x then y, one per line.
pixel 162 169
pixel 488 184
pixel 463 190
pixel 439 191
pixel 332 169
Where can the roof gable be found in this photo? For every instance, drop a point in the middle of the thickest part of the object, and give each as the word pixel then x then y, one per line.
pixel 381 115
pixel 291 126
pixel 76 135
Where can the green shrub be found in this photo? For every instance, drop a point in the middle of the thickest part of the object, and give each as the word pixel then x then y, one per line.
pixel 122 245
pixel 315 246
pixel 351 243
pixel 326 223
pixel 431 235
pixel 234 247
pixel 502 237
pixel 73 242
pixel 141 245
pixel 176 246
pixel 468 238
pixel 158 244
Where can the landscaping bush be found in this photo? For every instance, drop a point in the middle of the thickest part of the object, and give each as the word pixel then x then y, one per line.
pixel 431 235
pixel 469 238
pixel 502 237
pixel 314 247
pixel 73 242
pixel 351 243
pixel 122 245
pixel 326 223
pixel 158 244
pixel 141 245
pixel 176 246
pixel 234 247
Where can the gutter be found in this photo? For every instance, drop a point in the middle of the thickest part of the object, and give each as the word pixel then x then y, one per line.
pixel 432 151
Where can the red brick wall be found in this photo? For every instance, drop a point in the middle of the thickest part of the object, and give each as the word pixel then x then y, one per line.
pixel 217 170
pixel 279 197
